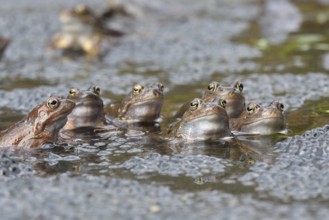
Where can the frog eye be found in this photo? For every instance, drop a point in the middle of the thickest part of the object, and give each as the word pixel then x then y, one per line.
pixel 81 9
pixel 251 108
pixel 195 104
pixel 52 103
pixel 73 91
pixel 212 86
pixel 280 106
pixel 96 90
pixel 137 89
pixel 161 87
pixel 238 86
pixel 222 103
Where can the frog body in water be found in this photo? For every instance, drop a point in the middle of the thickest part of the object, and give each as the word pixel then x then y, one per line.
pixel 235 101
pixel 40 126
pixel 202 121
pixel 257 119
pixel 4 42
pixel 82 31
pixel 142 104
pixel 88 111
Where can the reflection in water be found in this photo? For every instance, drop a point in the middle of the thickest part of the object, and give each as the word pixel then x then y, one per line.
pixel 248 149
pixel 255 148
pixel 220 149
pixel 244 151
pixel 107 157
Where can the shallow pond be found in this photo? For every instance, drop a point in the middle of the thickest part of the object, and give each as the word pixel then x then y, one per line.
pixel 277 49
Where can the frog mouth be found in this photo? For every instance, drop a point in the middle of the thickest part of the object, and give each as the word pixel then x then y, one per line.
pixel 144 111
pixel 268 119
pixel 206 127
pixel 266 126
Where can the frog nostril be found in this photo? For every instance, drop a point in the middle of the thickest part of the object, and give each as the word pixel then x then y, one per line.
pixel 156 92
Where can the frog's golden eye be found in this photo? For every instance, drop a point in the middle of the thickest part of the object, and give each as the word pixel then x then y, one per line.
pixel 52 103
pixel 81 9
pixel 251 108
pixel 222 103
pixel 73 92
pixel 212 86
pixel 137 89
pixel 238 86
pixel 195 104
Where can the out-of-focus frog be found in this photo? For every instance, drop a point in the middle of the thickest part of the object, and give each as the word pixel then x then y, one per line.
pixel 123 8
pixel 83 31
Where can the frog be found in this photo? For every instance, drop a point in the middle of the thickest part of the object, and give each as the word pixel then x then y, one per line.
pixel 235 101
pixel 142 104
pixel 203 121
pixel 119 7
pixel 40 126
pixel 4 42
pixel 261 120
pixel 88 111
pixel 83 31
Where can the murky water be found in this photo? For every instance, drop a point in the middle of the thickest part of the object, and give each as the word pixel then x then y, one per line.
pixel 184 47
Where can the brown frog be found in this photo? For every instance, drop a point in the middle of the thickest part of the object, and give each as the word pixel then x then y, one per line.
pixel 40 126
pixel 202 121
pixel 3 45
pixel 88 111
pixel 142 104
pixel 82 30
pixel 261 120
pixel 235 101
